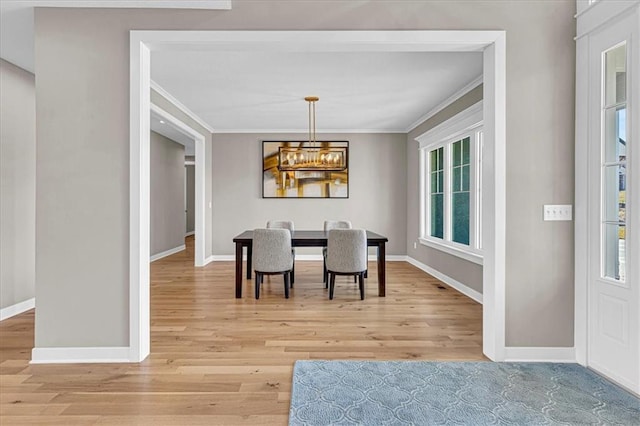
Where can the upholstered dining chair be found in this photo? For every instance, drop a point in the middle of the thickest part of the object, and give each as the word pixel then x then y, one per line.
pixel 272 256
pixel 346 255
pixel 328 226
pixel 286 224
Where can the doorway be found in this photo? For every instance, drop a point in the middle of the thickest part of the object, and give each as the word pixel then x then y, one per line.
pixel 199 175
pixel 607 270
pixel 491 43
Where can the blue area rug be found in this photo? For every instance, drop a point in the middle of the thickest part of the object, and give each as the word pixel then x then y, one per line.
pixel 462 393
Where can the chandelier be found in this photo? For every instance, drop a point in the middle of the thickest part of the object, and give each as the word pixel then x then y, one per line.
pixel 312 155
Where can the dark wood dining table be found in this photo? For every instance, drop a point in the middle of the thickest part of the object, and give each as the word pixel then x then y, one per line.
pixel 307 239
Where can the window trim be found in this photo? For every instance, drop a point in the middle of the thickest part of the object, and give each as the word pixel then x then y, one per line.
pixel 466 123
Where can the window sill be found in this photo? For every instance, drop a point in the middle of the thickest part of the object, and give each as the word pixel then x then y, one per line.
pixel 455 251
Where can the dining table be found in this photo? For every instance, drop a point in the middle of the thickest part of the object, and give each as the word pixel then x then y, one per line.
pixel 307 239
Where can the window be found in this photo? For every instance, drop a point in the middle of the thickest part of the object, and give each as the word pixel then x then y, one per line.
pixel 450 194
pixel 437 192
pixel 460 194
pixel 614 164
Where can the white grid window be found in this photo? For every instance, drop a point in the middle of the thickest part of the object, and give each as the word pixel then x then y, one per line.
pixel 450 190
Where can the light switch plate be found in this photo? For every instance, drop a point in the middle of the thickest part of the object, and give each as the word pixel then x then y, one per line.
pixel 558 212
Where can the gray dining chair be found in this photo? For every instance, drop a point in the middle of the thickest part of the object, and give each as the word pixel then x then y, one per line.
pixel 328 226
pixel 272 256
pixel 286 224
pixel 346 255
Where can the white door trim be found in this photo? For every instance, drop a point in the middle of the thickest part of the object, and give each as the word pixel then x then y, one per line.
pixel 491 43
pixel 199 178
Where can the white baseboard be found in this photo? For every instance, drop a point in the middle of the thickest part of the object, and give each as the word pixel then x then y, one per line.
pixel 536 354
pixel 225 257
pixel 619 380
pixel 310 257
pixel 18 308
pixel 393 258
pixel 188 234
pixel 167 253
pixel 80 355
pixel 208 260
pixel 467 291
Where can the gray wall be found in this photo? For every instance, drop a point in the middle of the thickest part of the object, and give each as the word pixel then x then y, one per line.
pixel 167 194
pixel 461 270
pixel 377 195
pixel 85 285
pixel 190 171
pixel 17 185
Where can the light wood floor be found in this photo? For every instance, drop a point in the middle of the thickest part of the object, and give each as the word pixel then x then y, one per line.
pixel 220 360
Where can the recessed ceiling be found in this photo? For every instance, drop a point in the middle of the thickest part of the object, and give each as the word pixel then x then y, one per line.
pixel 359 91
pixel 16 20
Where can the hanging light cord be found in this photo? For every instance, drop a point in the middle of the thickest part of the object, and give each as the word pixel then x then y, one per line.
pixel 312 124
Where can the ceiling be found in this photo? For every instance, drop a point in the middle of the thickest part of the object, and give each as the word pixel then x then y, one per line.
pixel 264 92
pixel 16 20
pixel 359 91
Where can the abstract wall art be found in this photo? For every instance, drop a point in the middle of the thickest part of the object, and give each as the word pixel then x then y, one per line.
pixel 302 169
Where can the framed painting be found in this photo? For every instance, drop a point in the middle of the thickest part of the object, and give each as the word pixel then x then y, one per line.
pixel 303 169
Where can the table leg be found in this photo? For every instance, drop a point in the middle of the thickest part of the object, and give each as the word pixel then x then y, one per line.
pixel 238 270
pixel 249 258
pixel 382 270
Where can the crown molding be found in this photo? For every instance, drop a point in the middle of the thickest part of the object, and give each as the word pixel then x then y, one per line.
pixel 306 131
pixel 168 96
pixel 137 4
pixel 457 95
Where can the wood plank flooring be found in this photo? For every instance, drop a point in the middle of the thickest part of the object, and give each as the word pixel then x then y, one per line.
pixel 219 360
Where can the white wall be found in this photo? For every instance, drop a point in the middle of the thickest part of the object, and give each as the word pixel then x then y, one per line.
pixel 377 196
pixel 168 220
pixel 17 185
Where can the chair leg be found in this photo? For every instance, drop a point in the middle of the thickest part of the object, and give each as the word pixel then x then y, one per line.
pixel 286 284
pixel 366 273
pixel 325 276
pixel 257 281
pixel 355 278
pixel 361 282
pixel 293 274
pixel 332 284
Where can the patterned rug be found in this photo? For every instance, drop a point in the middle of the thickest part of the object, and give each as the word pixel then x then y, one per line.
pixel 462 393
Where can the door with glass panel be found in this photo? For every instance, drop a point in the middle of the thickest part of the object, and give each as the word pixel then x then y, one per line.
pixel 614 297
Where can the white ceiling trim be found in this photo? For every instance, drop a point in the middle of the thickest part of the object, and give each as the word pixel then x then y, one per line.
pixel 460 93
pixel 155 86
pixel 306 131
pixel 144 4
pixel 317 41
